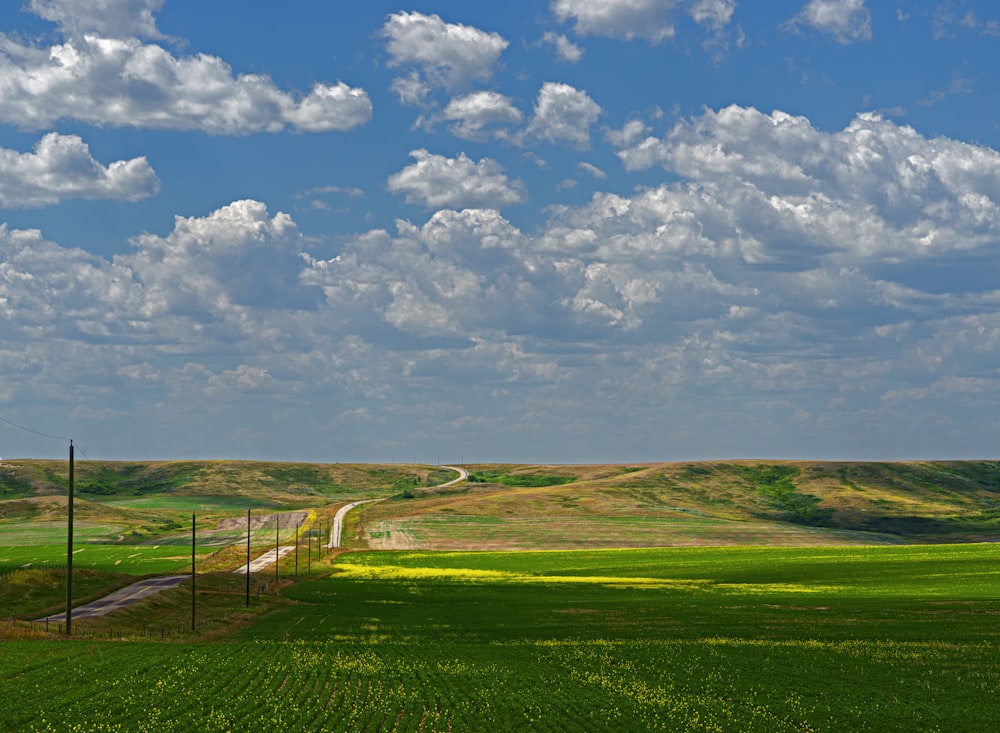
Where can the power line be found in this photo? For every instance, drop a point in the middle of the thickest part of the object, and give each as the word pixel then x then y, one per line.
pixel 36 432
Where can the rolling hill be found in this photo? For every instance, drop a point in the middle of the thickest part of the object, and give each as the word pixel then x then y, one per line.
pixel 506 506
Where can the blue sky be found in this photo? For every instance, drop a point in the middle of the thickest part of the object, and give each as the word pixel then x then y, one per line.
pixel 551 231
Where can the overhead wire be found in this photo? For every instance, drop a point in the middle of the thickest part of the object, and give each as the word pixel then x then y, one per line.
pixel 35 432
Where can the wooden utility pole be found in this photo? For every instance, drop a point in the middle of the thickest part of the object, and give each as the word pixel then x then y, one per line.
pixel 192 571
pixel 248 558
pixel 69 549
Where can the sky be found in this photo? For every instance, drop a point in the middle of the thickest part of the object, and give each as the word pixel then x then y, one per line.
pixel 559 231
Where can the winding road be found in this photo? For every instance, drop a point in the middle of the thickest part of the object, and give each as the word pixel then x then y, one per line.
pixel 144 588
pixel 338 519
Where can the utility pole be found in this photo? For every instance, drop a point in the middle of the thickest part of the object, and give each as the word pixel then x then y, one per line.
pixel 192 571
pixel 248 558
pixel 297 528
pixel 277 522
pixel 69 549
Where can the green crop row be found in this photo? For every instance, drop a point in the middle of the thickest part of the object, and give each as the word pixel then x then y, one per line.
pixel 716 684
pixel 698 639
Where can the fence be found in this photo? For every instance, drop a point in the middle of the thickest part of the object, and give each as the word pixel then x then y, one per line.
pixel 95 629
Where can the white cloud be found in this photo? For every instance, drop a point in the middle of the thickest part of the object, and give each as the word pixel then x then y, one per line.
pixel 845 20
pixel 631 301
pixel 52 292
pixel 652 20
pixel 125 82
pixel 437 182
pixel 631 133
pixel 627 19
pixel 330 107
pixel 438 54
pixel 243 378
pixel 715 14
pixel 106 18
pixel 144 372
pixel 592 170
pixel 563 115
pixel 459 274
pixel 566 50
pixel 61 168
pixel 481 115
pixel 874 188
pixel 237 257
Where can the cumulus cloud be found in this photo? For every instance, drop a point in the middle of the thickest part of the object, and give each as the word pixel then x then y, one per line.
pixel 565 49
pixel 652 20
pixel 563 115
pixel 53 292
pixel 626 297
pixel 236 257
pixel 846 20
pixel 436 182
pixel 481 116
pixel 243 378
pixel 61 167
pixel 106 18
pixel 458 274
pixel 438 54
pixel 122 81
pixel 875 188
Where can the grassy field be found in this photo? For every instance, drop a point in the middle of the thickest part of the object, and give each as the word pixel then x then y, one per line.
pixel 739 502
pixel 699 639
pixel 740 595
pixel 523 507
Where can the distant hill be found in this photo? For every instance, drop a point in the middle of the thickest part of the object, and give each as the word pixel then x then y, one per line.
pixel 506 506
pixel 725 502
pixel 272 481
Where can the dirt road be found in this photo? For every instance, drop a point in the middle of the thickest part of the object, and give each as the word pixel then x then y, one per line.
pixel 338 519
pixel 121 598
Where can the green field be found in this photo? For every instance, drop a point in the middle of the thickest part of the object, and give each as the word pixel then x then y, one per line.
pixel 727 596
pixel 134 560
pixel 700 639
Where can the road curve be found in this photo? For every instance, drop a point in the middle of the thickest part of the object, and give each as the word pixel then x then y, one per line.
pixel 338 519
pixel 462 475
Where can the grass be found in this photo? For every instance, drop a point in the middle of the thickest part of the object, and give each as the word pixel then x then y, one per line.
pixel 699 639
pixel 698 503
pixel 520 477
pixel 289 484
pixel 133 560
pixel 853 623
pixel 151 502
